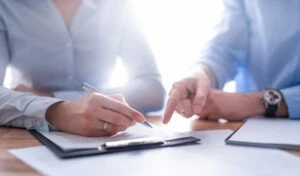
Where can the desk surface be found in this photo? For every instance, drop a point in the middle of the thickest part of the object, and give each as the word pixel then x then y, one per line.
pixel 13 138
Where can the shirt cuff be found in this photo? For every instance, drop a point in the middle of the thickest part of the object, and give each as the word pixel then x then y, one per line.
pixel 292 101
pixel 36 110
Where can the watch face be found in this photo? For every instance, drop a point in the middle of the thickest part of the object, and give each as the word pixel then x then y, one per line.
pixel 272 97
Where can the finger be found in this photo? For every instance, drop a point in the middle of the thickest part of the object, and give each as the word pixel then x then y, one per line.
pixel 170 108
pixel 187 109
pixel 114 118
pixel 111 129
pixel 180 110
pixel 199 100
pixel 204 113
pixel 119 107
pixel 177 93
pixel 95 131
pixel 119 97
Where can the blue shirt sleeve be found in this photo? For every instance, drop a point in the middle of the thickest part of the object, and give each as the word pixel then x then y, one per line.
pixel 292 99
pixel 228 47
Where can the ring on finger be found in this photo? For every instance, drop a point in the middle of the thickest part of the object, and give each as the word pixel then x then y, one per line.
pixel 105 126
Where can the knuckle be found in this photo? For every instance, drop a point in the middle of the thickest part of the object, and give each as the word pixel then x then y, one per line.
pixel 178 85
pixel 116 119
pixel 113 130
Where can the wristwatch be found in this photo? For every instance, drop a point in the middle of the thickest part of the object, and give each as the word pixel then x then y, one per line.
pixel 271 98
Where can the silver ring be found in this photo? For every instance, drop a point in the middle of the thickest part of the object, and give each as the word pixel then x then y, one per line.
pixel 105 125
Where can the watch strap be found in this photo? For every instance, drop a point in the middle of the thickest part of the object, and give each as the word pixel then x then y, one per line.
pixel 271 110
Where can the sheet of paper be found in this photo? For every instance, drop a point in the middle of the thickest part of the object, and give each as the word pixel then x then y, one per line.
pixel 269 131
pixel 70 141
pixel 211 157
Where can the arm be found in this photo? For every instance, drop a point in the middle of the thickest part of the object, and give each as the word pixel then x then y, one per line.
pixel 19 109
pixel 236 106
pixel 144 90
pixel 218 64
pixel 227 50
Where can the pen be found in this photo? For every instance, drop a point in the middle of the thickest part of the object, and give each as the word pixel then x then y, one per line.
pixel 89 88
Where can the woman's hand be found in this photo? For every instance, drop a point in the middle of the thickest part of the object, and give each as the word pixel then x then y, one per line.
pixel 94 115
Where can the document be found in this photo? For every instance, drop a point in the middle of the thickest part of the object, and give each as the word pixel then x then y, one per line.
pixel 68 141
pixel 211 157
pixel 268 132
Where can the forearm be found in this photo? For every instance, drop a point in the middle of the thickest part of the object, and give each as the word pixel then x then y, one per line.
pixel 24 109
pixel 254 105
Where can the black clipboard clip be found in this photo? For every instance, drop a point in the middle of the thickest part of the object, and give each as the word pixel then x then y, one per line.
pixel 148 141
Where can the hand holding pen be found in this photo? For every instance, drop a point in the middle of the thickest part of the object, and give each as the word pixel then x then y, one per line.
pixel 93 115
pixel 91 89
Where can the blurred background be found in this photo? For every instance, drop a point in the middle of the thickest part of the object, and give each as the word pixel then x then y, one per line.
pixel 176 31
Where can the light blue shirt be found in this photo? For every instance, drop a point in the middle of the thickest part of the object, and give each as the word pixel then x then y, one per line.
pixel 48 56
pixel 259 42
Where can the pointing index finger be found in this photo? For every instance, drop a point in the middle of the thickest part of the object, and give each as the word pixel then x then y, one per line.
pixel 176 95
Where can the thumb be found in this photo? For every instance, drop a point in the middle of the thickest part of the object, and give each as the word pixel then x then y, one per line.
pixel 200 99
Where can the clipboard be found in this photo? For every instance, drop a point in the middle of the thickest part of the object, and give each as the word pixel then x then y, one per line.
pixel 113 147
pixel 267 133
pixel 229 141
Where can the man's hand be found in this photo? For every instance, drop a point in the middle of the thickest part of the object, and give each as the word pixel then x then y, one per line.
pixel 22 88
pixel 188 96
pixel 94 115
pixel 231 106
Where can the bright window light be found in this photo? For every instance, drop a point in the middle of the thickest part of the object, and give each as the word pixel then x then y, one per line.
pixel 119 76
pixel 177 30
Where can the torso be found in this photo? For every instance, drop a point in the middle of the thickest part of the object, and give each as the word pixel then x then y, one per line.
pixel 69 48
pixel 67 9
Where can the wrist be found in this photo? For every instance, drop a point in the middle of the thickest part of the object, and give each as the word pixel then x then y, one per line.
pixel 255 106
pixel 210 75
pixel 274 103
pixel 55 113
pixel 282 110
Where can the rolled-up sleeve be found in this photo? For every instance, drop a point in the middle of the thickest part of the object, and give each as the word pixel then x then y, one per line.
pixel 227 49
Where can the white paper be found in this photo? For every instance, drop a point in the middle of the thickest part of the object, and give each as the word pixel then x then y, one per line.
pixel 211 157
pixel 269 131
pixel 70 141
